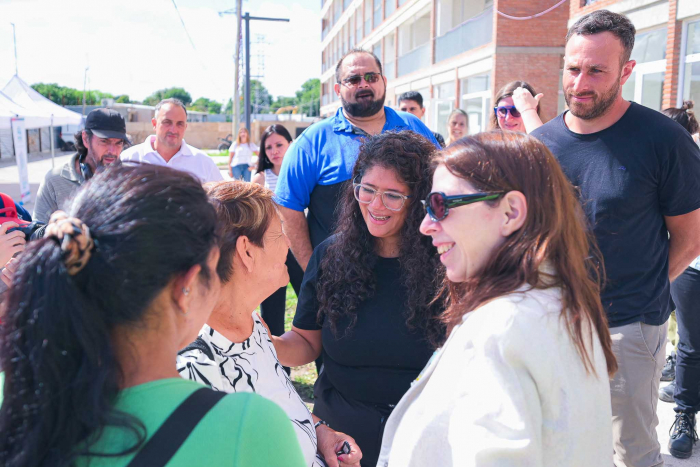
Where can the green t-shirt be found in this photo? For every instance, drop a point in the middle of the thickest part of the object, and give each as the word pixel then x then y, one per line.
pixel 243 430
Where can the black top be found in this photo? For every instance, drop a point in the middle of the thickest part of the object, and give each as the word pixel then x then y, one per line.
pixel 629 176
pixel 379 358
pixel 323 211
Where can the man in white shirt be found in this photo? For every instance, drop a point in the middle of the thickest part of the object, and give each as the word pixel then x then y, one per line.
pixel 168 147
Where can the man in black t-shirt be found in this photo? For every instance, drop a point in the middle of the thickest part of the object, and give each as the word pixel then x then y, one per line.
pixel 638 176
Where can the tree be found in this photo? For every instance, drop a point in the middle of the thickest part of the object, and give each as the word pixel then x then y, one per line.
pixel 178 93
pixel 282 101
pixel 206 105
pixel 62 95
pixel 123 99
pixel 260 99
pixel 309 98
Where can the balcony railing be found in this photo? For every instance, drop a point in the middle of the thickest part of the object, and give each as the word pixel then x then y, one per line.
pixel 414 60
pixel 472 33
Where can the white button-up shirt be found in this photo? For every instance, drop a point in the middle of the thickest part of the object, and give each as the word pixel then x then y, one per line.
pixel 188 159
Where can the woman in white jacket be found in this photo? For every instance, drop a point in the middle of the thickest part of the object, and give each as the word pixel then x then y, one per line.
pixel 523 378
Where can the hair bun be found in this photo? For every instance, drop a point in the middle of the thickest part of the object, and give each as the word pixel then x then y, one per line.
pixel 687 105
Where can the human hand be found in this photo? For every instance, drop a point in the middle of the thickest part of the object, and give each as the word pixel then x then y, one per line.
pixel 523 100
pixel 8 272
pixel 331 441
pixel 10 243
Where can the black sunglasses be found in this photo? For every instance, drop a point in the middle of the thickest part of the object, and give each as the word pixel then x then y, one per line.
pixel 438 204
pixel 503 110
pixel 355 80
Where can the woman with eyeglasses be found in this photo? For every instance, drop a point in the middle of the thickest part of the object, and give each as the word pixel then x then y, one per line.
pixel 523 378
pixel 367 297
pixel 457 126
pixel 273 147
pixel 517 108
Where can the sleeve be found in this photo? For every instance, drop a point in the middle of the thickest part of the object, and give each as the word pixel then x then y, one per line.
pixel 214 174
pixel 499 421
pixel 419 127
pixel 679 184
pixel 195 366
pixel 307 305
pixel 298 177
pixel 45 202
pixel 263 422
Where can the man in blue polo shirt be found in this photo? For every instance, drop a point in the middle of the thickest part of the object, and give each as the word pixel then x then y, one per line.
pixel 319 162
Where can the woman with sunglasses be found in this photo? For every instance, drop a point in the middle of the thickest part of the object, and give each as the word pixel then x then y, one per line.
pixel 516 109
pixel 366 299
pixel 523 378
pixel 273 147
pixel 457 126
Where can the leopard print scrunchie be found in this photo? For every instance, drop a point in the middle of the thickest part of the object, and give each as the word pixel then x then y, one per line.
pixel 74 237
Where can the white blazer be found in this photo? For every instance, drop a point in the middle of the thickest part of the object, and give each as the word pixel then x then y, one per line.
pixel 508 388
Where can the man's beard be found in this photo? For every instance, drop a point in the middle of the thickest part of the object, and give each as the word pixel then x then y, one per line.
pixel 365 108
pixel 600 104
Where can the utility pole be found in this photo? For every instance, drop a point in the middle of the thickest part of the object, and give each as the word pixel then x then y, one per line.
pixel 236 106
pixel 14 37
pixel 85 87
pixel 248 19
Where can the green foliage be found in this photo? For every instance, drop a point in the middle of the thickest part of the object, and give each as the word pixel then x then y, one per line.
pixel 178 93
pixel 63 95
pixel 123 99
pixel 307 99
pixel 206 105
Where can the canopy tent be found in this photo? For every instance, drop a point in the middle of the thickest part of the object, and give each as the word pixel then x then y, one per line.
pixel 21 93
pixel 9 109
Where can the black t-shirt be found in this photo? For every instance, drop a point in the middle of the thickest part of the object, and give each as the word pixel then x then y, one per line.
pixel 629 176
pixel 323 211
pixel 379 358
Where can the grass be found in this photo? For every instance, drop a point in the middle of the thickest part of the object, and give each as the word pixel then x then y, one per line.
pixel 303 377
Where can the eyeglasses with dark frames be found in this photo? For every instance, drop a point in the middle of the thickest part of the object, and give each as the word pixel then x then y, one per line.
pixel 503 110
pixel 392 200
pixel 355 80
pixel 438 205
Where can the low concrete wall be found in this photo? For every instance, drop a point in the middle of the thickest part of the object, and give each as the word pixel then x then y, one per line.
pixel 200 135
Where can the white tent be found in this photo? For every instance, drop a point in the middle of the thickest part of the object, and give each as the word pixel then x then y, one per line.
pixel 21 93
pixel 9 109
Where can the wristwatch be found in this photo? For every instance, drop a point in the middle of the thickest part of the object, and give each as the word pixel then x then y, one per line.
pixel 321 422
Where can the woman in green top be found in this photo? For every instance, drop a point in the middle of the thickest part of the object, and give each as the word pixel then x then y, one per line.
pixel 94 318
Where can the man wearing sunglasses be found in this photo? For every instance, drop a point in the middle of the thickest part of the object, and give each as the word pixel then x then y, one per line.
pixel 638 177
pixel 320 161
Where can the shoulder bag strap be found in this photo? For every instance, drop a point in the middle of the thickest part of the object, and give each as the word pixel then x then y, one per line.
pixel 174 431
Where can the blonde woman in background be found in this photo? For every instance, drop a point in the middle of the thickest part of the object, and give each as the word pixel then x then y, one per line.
pixel 241 156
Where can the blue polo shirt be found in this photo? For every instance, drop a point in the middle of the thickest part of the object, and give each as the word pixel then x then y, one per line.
pixel 321 159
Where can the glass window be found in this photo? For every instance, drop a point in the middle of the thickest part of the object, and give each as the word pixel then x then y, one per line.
pixel 652 90
pixel 377 12
pixel 691 82
pixel 628 88
pixel 445 90
pixel 377 50
pixel 389 7
pixel 649 46
pixel 475 111
pixel 477 84
pixel 693 45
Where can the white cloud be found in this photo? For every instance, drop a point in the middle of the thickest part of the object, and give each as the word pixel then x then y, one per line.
pixel 135 47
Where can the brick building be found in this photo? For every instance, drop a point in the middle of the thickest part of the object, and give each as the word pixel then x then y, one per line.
pixel 458 53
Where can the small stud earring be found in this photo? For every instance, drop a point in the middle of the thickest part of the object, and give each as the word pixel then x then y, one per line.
pixel 186 290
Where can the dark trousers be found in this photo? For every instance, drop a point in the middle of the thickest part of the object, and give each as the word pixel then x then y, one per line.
pixel 686 294
pixel 364 422
pixel 272 309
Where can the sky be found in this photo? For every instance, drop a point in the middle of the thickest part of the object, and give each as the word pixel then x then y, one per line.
pixel 136 47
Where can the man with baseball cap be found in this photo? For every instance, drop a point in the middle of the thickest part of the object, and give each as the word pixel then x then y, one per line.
pixel 99 144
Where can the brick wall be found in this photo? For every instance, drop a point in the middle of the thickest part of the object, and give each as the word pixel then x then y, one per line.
pixel 673 58
pixel 540 42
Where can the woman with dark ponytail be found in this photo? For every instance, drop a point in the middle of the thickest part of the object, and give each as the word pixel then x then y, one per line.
pixel 93 321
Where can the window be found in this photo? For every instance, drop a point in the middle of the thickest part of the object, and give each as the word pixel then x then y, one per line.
pixel 358 25
pixel 390 56
pixel 691 75
pixel 368 17
pixel 462 25
pixel 476 101
pixel 414 44
pixel 377 50
pixel 443 104
pixel 389 7
pixel 645 85
pixel 377 13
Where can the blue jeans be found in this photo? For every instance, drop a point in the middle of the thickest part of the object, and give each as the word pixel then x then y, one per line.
pixel 686 294
pixel 241 171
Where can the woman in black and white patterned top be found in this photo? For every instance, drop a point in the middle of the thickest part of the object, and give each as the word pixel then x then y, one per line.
pixel 234 352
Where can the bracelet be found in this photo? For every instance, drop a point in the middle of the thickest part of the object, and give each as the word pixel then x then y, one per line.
pixel 525 110
pixel 320 422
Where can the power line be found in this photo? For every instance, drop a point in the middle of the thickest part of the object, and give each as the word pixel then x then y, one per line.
pixel 183 25
pixel 523 18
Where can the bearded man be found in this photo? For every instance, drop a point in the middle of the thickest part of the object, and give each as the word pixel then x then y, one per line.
pixel 320 160
pixel 638 177
pixel 99 144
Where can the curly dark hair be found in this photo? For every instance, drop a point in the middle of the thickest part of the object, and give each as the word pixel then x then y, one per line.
pixel 347 277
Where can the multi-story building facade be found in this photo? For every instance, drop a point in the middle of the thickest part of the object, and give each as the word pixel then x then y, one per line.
pixel 458 53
